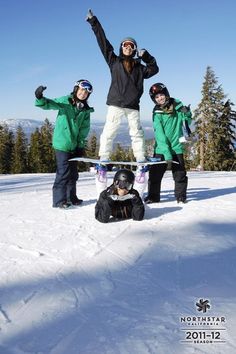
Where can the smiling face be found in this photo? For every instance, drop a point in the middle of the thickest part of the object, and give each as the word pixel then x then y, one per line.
pixel 128 47
pixel 82 94
pixel 160 99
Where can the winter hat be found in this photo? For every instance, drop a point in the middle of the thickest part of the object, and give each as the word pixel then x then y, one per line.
pixel 128 39
pixel 158 88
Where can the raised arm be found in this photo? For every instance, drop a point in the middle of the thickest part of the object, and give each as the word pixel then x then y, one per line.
pixel 105 46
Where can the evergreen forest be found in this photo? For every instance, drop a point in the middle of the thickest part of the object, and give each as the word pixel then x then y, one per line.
pixel 212 146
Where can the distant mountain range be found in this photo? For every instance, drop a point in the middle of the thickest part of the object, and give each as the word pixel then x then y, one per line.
pixel 29 126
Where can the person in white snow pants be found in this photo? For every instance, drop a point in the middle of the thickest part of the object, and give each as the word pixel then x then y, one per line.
pixel 113 120
pixel 126 89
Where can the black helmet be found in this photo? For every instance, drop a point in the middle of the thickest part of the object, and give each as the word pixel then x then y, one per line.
pixel 124 179
pixel 158 88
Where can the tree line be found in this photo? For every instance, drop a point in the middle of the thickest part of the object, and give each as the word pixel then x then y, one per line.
pixel 212 147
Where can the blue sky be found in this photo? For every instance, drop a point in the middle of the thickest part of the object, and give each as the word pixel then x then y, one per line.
pixel 49 42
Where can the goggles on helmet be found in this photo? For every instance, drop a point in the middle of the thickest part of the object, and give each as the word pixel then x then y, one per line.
pixel 124 185
pixel 157 88
pixel 85 85
pixel 126 44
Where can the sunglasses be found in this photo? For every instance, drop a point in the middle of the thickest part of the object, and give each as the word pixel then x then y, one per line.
pixel 128 44
pixel 124 185
pixel 85 85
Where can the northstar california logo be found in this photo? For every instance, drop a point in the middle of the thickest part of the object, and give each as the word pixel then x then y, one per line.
pixel 203 305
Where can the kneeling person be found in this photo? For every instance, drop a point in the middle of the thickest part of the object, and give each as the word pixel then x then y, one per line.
pixel 120 200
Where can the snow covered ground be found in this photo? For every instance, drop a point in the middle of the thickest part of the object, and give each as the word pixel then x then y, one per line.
pixel 71 285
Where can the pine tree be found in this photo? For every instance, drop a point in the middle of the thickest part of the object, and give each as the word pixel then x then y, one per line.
pixel 20 152
pixel 48 162
pixel 6 149
pixel 212 147
pixel 226 145
pixel 92 147
pixel 35 152
pixel 119 154
pixel 41 153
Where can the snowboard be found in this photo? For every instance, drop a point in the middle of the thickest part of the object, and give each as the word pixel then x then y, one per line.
pixel 141 173
pixel 128 163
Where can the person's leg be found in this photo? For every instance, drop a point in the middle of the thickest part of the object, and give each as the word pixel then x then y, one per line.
pixel 180 178
pixel 156 173
pixel 71 186
pixel 136 134
pixel 113 120
pixel 62 178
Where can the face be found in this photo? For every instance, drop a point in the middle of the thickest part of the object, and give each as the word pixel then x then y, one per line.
pixel 82 94
pixel 160 99
pixel 128 48
pixel 122 192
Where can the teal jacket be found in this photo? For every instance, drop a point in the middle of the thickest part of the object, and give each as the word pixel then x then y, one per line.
pixel 168 128
pixel 72 124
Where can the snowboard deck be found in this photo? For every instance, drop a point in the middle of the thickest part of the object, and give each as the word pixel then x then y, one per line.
pixel 129 163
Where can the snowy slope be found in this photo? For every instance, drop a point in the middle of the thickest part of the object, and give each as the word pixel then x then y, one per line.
pixel 71 285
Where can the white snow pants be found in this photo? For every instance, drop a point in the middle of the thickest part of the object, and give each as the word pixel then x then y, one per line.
pixel 113 120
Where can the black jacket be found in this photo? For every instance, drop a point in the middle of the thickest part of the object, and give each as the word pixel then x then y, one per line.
pixel 129 208
pixel 126 89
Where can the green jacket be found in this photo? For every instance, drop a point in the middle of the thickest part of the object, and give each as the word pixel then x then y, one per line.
pixel 168 128
pixel 72 124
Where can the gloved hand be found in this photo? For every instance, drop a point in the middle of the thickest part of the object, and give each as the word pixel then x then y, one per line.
pixel 188 130
pixel 169 164
pixel 121 198
pixel 185 109
pixel 89 15
pixel 140 52
pixel 80 152
pixel 113 197
pixel 39 92
pixel 79 105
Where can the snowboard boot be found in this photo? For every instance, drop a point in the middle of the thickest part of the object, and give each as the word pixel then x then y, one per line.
pixel 181 200
pixel 64 205
pixel 101 178
pixel 150 200
pixel 77 202
pixel 141 179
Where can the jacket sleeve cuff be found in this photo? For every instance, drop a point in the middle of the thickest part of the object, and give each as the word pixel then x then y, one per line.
pixel 92 20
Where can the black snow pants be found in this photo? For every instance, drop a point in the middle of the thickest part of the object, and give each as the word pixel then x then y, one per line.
pixel 156 173
pixel 64 187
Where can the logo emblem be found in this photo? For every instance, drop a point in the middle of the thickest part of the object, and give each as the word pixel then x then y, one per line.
pixel 203 305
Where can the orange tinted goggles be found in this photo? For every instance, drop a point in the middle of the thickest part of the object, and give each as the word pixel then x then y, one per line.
pixel 129 43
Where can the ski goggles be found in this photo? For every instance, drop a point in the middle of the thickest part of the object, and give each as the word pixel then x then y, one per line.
pixel 124 185
pixel 126 44
pixel 85 85
pixel 155 89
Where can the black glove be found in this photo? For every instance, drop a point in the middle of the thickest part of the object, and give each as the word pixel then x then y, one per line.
pixel 188 130
pixel 169 164
pixel 39 92
pixel 80 152
pixel 185 109
pixel 141 52
pixel 121 198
